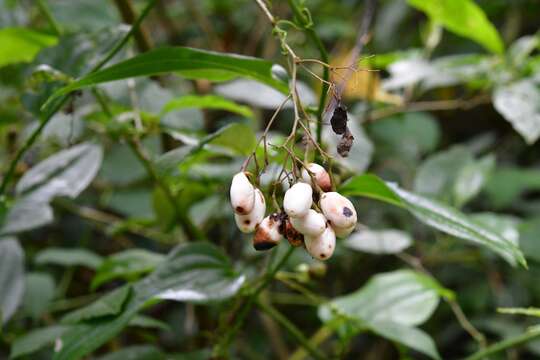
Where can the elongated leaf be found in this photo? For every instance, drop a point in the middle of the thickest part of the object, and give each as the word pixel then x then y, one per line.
pixel 170 59
pixel 39 291
pixel 237 137
pixel 11 277
pixel 68 257
pixel 36 340
pixel 434 214
pixel 108 305
pixel 22 45
pixel 192 272
pixel 462 17
pixel 207 102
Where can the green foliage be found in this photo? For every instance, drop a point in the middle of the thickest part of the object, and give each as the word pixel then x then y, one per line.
pixel 119 143
pixel 464 18
pixel 22 45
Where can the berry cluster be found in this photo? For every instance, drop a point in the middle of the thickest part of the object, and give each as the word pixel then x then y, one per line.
pixel 315 229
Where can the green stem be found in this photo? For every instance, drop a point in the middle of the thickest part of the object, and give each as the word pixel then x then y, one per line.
pixel 46 117
pixel 292 329
pixel 44 8
pixel 314 38
pixel 249 302
pixel 506 344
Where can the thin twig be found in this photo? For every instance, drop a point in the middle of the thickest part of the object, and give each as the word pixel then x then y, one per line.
pixel 506 344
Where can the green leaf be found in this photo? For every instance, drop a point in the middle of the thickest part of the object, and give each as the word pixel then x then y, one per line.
pixel 434 214
pixel 409 336
pixel 379 241
pixel 505 185
pixel 66 173
pixel 169 59
pixel 136 352
pixel 237 137
pixel 206 102
pixel 36 339
pixel 196 272
pixel 404 297
pixel 129 264
pixel 464 18
pixel 68 257
pixel 108 305
pixel 471 179
pixel 39 292
pixel 22 45
pixel 11 277
pixel 391 304
pixel 148 322
pixel 519 104
pixel 528 238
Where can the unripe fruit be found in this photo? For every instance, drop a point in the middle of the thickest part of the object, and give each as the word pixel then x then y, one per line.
pixel 247 223
pixel 293 236
pixel 343 232
pixel 312 224
pixel 338 210
pixel 242 194
pixel 268 233
pixel 298 200
pixel 320 175
pixel 322 246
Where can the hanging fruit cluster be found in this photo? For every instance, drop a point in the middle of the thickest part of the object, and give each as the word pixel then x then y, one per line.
pixel 303 221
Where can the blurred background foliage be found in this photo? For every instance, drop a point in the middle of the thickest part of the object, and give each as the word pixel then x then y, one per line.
pixel 450 110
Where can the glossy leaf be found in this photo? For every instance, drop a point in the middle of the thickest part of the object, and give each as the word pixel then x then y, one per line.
pixel 68 257
pixel 462 17
pixel 192 272
pixel 171 59
pixel 471 179
pixel 108 305
pixel 207 102
pixel 519 103
pixel 237 137
pixel 22 45
pixel 378 241
pixel 66 173
pixel 11 277
pixel 433 213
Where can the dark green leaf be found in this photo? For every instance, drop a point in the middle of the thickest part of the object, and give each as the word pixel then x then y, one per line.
pixel 39 292
pixel 108 305
pixel 129 264
pixel 237 137
pixel 68 257
pixel 11 277
pixel 136 352
pixel 36 339
pixel 464 18
pixel 434 214
pixel 170 59
pixel 196 272
pixel 148 322
pixel 409 336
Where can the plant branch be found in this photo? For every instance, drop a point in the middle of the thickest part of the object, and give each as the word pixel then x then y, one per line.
pixel 292 329
pixel 506 344
pixel 47 115
pixel 248 304
pixel 361 40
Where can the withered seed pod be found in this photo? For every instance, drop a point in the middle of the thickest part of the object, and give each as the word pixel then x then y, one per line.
pixel 339 119
pixel 268 232
pixel 293 236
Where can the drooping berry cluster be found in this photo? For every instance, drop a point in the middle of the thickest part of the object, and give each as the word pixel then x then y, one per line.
pixel 315 229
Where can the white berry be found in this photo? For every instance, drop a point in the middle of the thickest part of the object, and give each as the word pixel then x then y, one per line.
pixel 298 200
pixel 312 224
pixel 247 223
pixel 268 233
pixel 242 194
pixel 322 246
pixel 338 210
pixel 320 175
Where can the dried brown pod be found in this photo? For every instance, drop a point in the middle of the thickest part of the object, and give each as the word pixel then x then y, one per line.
pixel 293 236
pixel 339 119
pixel 345 144
pixel 268 232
